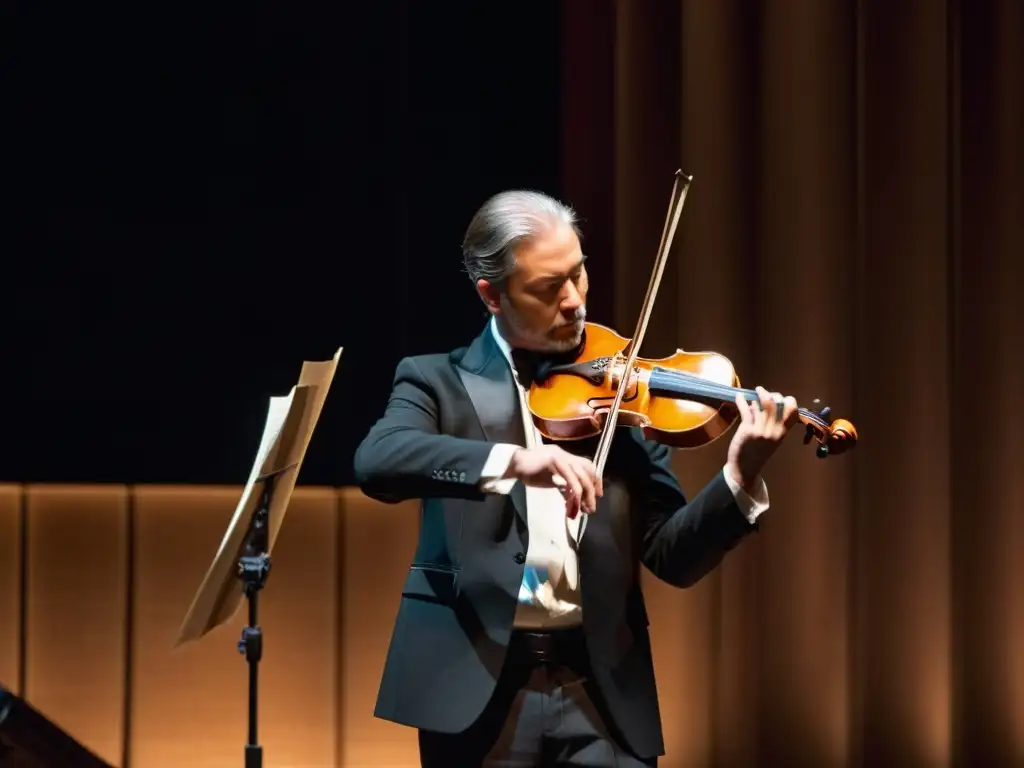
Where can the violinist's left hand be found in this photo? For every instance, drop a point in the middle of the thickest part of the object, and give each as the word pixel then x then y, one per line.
pixel 761 430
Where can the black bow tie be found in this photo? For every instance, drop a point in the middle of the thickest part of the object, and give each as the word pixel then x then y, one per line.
pixel 532 366
pixel 526 362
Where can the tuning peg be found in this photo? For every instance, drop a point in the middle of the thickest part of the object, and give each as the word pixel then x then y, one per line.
pixel 822 452
pixel 824 412
pixel 808 434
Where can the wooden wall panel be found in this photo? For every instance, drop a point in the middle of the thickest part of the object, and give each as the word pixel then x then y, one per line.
pixel 10 586
pixel 76 593
pixel 190 703
pixel 378 541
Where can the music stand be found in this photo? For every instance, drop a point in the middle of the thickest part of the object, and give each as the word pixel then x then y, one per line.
pixel 241 566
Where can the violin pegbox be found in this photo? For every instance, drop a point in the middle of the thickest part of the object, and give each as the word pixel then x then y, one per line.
pixel 811 433
pixel 834 437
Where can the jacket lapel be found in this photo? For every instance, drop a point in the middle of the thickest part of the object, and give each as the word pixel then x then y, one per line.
pixel 486 375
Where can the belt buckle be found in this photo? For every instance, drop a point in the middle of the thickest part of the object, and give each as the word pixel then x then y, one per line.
pixel 541 649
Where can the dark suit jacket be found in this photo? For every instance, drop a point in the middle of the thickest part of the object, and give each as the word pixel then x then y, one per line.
pixel 445 414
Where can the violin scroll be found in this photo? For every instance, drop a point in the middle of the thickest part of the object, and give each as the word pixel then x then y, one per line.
pixel 833 437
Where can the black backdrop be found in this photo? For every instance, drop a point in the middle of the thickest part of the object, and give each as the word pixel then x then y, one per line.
pixel 198 200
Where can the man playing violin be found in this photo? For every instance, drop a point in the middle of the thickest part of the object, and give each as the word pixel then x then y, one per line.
pixel 519 640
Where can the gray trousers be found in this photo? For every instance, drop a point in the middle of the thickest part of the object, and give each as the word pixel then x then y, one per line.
pixel 539 717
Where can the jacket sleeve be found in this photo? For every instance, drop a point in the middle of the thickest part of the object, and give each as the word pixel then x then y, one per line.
pixel 684 540
pixel 405 456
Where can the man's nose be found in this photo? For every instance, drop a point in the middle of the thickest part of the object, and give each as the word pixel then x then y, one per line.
pixel 571 299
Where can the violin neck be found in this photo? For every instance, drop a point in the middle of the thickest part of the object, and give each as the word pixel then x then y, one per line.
pixel 665 382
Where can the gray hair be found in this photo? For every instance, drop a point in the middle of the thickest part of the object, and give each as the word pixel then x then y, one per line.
pixel 502 224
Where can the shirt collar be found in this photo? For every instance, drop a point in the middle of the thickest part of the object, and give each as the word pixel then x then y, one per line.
pixel 504 346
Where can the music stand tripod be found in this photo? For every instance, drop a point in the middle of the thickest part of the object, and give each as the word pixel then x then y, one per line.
pixel 254 570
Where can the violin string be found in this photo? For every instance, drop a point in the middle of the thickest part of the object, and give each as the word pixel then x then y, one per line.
pixel 697 386
pixel 694 385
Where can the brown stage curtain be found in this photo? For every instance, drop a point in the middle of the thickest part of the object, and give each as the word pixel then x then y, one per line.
pixel 855 233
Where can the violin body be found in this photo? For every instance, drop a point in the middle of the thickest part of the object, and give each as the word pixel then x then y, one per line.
pixel 573 401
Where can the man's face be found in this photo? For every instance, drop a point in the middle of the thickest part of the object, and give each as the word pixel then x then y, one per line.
pixel 544 305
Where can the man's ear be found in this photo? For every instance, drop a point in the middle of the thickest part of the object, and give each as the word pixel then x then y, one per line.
pixel 490 296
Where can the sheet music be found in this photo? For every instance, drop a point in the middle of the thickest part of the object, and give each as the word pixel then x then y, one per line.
pixel 277 412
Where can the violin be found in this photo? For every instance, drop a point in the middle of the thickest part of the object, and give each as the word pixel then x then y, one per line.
pixel 685 400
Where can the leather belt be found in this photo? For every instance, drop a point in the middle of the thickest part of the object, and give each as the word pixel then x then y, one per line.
pixel 556 647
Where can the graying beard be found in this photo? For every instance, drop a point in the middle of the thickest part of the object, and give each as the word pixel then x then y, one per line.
pixel 543 341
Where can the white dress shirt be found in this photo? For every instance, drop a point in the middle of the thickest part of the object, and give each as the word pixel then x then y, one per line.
pixel 550 593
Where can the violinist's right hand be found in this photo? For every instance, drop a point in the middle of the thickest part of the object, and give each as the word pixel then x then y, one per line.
pixel 551 467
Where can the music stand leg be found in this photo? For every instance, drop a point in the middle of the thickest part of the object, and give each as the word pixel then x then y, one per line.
pixel 254 567
pixel 254 575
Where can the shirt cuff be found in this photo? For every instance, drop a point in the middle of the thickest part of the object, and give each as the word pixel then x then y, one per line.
pixel 492 478
pixel 752 505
